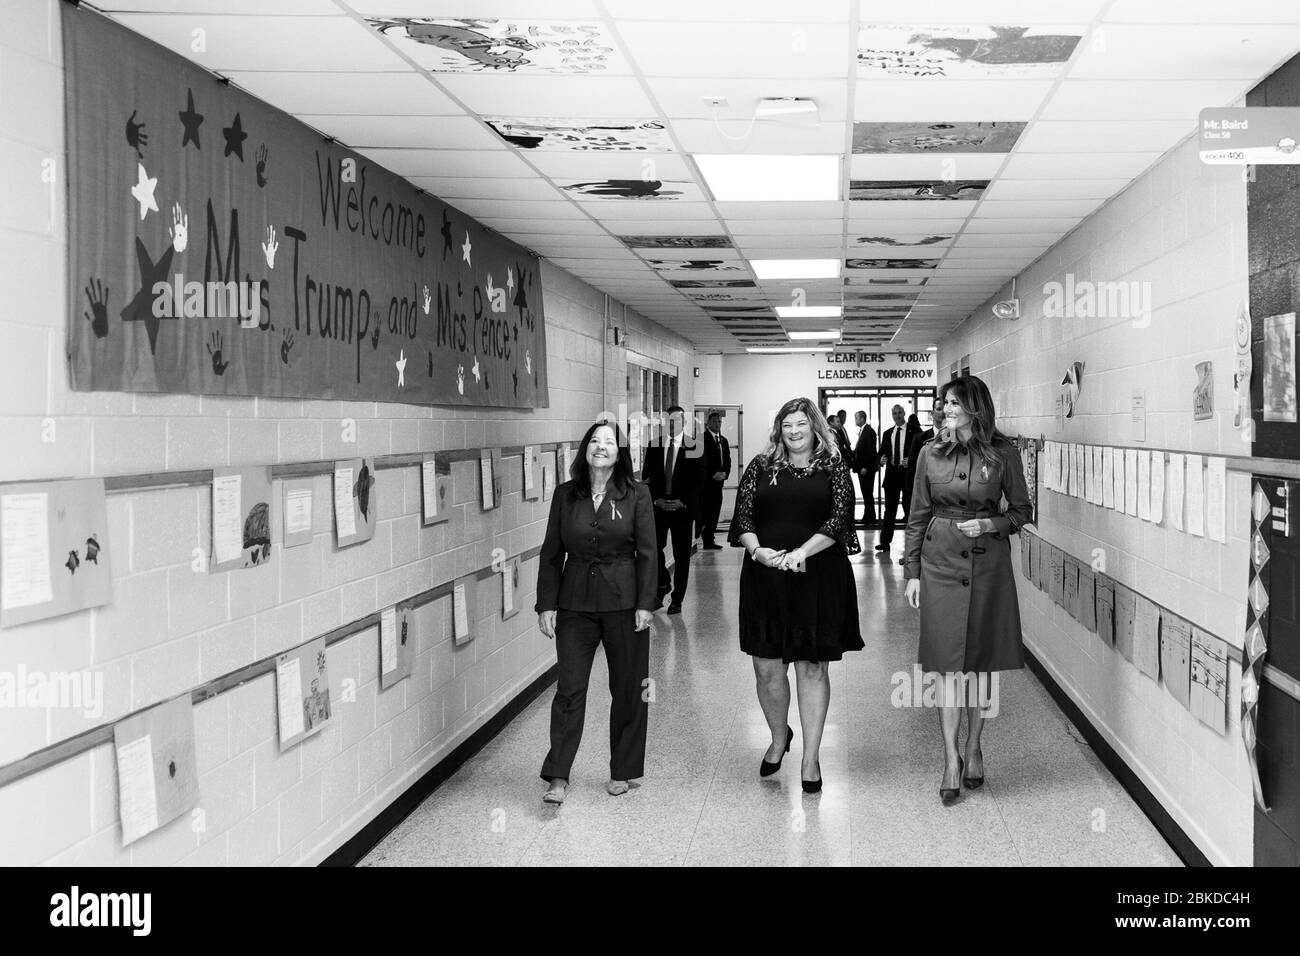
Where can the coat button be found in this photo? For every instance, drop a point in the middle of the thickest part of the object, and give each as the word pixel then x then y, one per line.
pixel 965 554
pixel 965 582
pixel 595 524
pixel 962 502
pixel 929 537
pixel 962 476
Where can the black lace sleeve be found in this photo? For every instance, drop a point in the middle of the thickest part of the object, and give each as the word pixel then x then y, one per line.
pixel 742 519
pixel 840 523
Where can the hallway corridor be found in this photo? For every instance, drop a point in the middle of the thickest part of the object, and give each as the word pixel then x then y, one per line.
pixel 1047 801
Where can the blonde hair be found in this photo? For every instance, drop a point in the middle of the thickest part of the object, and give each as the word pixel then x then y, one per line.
pixel 823 444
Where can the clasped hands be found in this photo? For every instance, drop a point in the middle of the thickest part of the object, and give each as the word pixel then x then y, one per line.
pixel 792 560
pixel 546 622
pixel 669 504
pixel 974 527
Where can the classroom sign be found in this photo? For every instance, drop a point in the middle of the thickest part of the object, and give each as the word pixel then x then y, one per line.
pixel 217 246
pixel 1240 135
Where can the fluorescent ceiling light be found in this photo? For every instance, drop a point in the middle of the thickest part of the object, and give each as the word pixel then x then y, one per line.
pixel 932 348
pixel 787 348
pixel 796 268
pixel 771 178
pixel 813 336
pixel 809 311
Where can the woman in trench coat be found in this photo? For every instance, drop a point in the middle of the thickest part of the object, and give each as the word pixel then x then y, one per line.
pixel 958 566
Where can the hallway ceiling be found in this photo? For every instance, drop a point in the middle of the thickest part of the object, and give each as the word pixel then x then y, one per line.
pixel 964 150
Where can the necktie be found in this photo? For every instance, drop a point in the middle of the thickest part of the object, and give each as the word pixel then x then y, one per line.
pixel 668 468
pixel 898 440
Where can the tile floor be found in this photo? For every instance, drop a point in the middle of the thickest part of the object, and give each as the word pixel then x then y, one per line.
pixel 1047 799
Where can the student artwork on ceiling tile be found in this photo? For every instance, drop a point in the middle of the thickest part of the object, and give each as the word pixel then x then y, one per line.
pixel 1279 368
pixel 302 690
pixel 965 52
pixel 890 263
pixel 912 138
pixel 713 283
pixel 355 500
pixel 157 775
pixel 54 549
pixel 241 518
pixel 490 45
pixel 937 189
pixel 547 134
pixel 696 265
pixel 634 189
pixel 676 242
pixel 221 247
pixel 916 242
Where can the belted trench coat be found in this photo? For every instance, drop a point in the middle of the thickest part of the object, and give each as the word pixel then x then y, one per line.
pixel 970 617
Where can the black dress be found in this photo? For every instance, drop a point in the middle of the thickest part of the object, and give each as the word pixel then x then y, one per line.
pixel 809 616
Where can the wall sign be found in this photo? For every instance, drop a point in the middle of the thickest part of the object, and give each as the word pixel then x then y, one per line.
pixel 877 368
pixel 217 246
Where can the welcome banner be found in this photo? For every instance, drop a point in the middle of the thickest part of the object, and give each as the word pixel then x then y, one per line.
pixel 217 246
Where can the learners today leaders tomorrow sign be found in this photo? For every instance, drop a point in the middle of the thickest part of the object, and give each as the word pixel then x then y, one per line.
pixel 878 368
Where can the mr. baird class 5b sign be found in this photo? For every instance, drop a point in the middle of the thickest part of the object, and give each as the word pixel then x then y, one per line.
pixel 217 246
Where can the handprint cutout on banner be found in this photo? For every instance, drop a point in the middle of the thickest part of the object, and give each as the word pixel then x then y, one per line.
pixel 179 229
pixel 214 349
pixel 270 247
pixel 261 165
pixel 97 296
pixel 286 346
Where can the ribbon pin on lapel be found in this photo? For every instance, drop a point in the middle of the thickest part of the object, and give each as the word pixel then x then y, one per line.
pixel 984 473
pixel 613 511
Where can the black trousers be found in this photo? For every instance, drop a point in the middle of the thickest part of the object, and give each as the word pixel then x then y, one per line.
pixel 865 482
pixel 894 493
pixel 627 654
pixel 678 525
pixel 710 509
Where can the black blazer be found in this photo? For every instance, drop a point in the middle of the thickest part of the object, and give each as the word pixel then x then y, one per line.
pixel 894 476
pixel 601 561
pixel 914 454
pixel 717 455
pixel 688 473
pixel 865 456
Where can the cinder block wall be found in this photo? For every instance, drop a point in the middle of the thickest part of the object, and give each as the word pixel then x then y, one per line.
pixel 1182 228
pixel 170 629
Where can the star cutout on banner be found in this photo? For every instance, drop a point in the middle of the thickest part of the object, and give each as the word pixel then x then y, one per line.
pixel 235 137
pixel 401 368
pixel 465 249
pixel 446 234
pixel 191 121
pixel 140 309
pixel 143 191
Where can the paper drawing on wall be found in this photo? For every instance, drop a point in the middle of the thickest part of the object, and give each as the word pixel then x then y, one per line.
pixel 914 138
pixel 1279 368
pixel 676 242
pixel 1071 386
pixel 302 692
pixel 562 133
pixel 890 263
pixel 479 45
pixel 1203 393
pixel 157 771
pixel 890 189
pixel 634 189
pixel 1209 685
pixel 969 52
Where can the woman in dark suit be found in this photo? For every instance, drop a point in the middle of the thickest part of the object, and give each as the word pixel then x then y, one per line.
pixel 596 585
pixel 958 565
pixel 798 600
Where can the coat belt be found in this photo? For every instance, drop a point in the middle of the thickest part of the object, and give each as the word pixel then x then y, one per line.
pixel 962 515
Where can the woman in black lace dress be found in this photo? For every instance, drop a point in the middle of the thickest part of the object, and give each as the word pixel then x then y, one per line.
pixel 798 601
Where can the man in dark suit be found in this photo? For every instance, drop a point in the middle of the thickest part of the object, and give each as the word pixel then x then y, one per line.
pixel 893 458
pixel 836 423
pixel 717 466
pixel 914 449
pixel 674 470
pixel 865 465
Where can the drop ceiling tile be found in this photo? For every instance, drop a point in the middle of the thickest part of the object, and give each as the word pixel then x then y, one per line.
pixel 871 250
pixel 404 132
pixel 477 188
pixel 252 42
pixel 935 167
pixel 369 94
pixel 550 226
pixel 1037 209
pixel 1023 226
pixel 833 11
pixel 897 225
pixel 683 98
pixel 795 210
pixel 779 225
pixel 648 211
pixel 1047 166
pixel 1146 99
pixel 1220 51
pixel 449 163
pixel 648 253
pixel 911 210
pixel 791 137
pixel 942 101
pixel 738 49
pixel 995 252
pixel 521 97
pixel 987 240
pixel 295 8
pixel 981 11
pixel 507 9
pixel 618 164
pixel 1104 137
pixel 1027 189
pixel 519 209
pixel 662 227
pixel 779 247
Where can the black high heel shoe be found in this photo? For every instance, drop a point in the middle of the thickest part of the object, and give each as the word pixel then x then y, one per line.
pixel 974 783
pixel 767 767
pixel 812 786
pixel 949 794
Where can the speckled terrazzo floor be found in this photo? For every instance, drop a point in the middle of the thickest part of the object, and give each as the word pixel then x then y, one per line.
pixel 1047 800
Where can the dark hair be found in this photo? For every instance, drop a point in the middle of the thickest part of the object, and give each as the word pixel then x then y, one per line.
pixel 973 396
pixel 913 422
pixel 712 415
pixel 674 408
pixel 580 472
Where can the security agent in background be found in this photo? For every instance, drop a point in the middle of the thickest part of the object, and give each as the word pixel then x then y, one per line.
pixel 674 469
pixel 865 466
pixel 717 466
pixel 893 458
